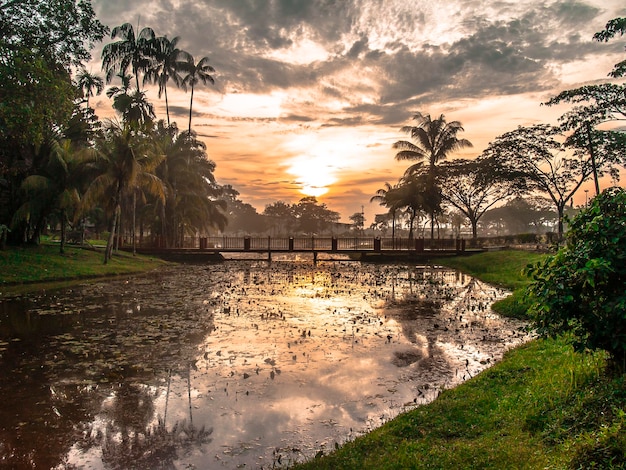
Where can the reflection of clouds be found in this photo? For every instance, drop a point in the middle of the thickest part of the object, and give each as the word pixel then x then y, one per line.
pixel 289 354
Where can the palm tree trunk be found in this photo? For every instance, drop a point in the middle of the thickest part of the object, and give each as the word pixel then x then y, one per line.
pixel 108 251
pixel 190 108
pixel 432 226
pixel 134 220
pixel 62 245
pixel 167 107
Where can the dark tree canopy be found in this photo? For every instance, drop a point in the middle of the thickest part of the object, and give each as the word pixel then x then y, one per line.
pixel 613 28
pixel 64 31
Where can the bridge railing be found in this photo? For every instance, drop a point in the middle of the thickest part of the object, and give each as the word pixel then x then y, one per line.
pixel 329 244
pixel 322 244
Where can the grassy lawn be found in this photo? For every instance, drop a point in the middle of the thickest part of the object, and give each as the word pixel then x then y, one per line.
pixel 542 406
pixel 44 263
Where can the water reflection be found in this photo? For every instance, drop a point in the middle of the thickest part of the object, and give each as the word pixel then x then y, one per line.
pixel 233 364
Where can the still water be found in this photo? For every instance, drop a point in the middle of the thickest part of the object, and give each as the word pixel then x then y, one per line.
pixel 242 364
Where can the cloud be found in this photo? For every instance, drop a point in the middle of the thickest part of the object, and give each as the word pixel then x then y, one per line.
pixel 362 68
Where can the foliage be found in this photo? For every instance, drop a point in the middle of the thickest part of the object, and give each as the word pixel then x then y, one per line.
pixel 387 197
pixel 538 155
pixel 128 52
pixel 612 28
pixel 168 63
pixel 127 163
pixel 358 221
pixel 521 214
pixel 473 186
pixel 312 216
pixel 191 203
pixel 434 140
pixel 58 185
pixel 35 96
pixel 63 31
pixel 582 288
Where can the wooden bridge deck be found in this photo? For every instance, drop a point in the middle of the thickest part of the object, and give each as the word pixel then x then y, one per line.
pixel 315 245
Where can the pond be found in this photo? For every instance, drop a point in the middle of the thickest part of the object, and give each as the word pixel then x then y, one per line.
pixel 243 364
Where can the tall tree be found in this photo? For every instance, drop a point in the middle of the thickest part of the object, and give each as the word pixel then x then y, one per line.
pixel 62 31
pixel 387 197
pixel 128 162
pixel 417 194
pixel 435 140
pixel 169 62
pixel 199 72
pixel 60 183
pixel 193 199
pixel 129 52
pixel 131 104
pixel 474 186
pixel 313 217
pixel 537 153
pixel 280 216
pixel 89 84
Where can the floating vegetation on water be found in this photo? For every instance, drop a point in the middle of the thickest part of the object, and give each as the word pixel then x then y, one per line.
pixel 241 363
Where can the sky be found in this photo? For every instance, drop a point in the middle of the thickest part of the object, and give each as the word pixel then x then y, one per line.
pixel 310 95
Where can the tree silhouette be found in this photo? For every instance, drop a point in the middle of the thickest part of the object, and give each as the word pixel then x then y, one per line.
pixel 169 61
pixel 89 84
pixel 129 52
pixel 434 141
pixel 199 72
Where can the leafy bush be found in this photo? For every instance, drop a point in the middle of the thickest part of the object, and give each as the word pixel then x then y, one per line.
pixel 582 288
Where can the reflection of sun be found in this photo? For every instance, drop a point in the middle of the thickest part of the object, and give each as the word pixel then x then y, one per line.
pixel 312 173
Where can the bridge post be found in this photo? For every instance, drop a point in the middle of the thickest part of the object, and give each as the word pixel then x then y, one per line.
pixel 377 245
pixel 246 243
pixel 419 245
pixel 333 242
pixel 290 243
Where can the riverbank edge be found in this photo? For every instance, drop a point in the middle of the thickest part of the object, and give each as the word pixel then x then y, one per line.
pixel 541 406
pixel 43 267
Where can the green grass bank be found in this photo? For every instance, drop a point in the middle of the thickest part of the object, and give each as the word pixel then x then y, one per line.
pixel 22 268
pixel 542 406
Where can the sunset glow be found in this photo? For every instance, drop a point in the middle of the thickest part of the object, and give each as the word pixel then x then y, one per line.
pixel 313 175
pixel 309 99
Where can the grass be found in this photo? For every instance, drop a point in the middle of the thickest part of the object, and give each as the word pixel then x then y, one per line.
pixel 502 268
pixel 44 264
pixel 542 406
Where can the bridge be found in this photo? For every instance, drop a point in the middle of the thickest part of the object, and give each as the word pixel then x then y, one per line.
pixel 362 246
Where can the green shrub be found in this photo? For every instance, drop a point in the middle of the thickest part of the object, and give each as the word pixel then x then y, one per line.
pixel 582 288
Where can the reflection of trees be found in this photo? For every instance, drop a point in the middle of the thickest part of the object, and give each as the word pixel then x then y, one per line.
pixel 129 438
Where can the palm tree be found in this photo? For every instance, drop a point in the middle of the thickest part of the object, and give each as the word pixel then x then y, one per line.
pixel 191 204
pixel 60 181
pixel 128 162
pixel 129 51
pixel 197 72
pixel 434 141
pixel 132 105
pixel 88 83
pixel 387 197
pixel 169 61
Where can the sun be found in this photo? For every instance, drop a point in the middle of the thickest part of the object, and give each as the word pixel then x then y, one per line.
pixel 314 175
